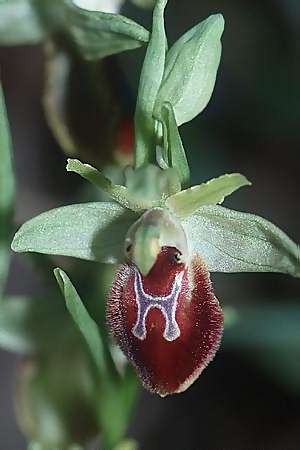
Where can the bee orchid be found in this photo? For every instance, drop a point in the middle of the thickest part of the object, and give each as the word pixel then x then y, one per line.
pixel 166 237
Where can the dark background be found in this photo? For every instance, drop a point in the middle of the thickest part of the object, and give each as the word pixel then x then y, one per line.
pixel 251 125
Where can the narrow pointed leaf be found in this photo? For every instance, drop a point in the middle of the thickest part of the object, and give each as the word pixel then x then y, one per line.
pixel 83 320
pixel 232 241
pixel 185 203
pixel 92 231
pixel 191 70
pixel 175 154
pixel 99 34
pixel 19 23
pixel 118 193
pixel 150 80
pixel 7 193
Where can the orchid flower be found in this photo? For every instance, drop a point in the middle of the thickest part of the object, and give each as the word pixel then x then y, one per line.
pixel 165 236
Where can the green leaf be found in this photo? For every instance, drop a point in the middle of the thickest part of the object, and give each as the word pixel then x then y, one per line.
pixel 7 193
pixel 119 193
pixel 191 70
pixel 83 320
pixel 99 34
pixel 186 202
pixel 92 231
pixel 232 241
pixel 31 325
pixel 174 151
pixel 19 23
pixel 150 80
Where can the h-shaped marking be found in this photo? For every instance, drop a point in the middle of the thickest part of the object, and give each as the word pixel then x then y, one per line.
pixel 166 304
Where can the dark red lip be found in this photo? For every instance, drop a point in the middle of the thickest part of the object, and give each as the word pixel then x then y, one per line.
pixel 169 353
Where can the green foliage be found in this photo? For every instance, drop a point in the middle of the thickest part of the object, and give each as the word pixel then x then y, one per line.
pixel 116 396
pixel 99 34
pixel 212 192
pixel 7 192
pixel 232 241
pixel 81 317
pixel 191 69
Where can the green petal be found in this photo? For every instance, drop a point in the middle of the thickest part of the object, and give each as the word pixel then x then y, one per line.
pixel 81 317
pixel 232 241
pixel 174 150
pixel 99 34
pixel 19 23
pixel 92 231
pixel 150 80
pixel 119 193
pixel 7 193
pixel 185 203
pixel 191 70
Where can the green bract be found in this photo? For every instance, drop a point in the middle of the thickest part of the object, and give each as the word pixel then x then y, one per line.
pixel 95 33
pixel 191 70
pixel 99 34
pixel 150 81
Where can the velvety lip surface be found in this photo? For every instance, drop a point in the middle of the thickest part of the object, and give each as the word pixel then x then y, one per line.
pixel 164 366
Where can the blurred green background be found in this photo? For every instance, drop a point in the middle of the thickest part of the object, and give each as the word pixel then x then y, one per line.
pixel 249 396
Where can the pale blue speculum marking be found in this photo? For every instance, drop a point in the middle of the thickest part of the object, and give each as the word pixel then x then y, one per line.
pixel 166 304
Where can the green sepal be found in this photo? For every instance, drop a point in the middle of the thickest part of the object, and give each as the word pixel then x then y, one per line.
pixel 91 231
pixel 99 34
pixel 191 70
pixel 19 23
pixel 7 192
pixel 150 80
pixel 83 320
pixel 232 241
pixel 174 152
pixel 186 202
